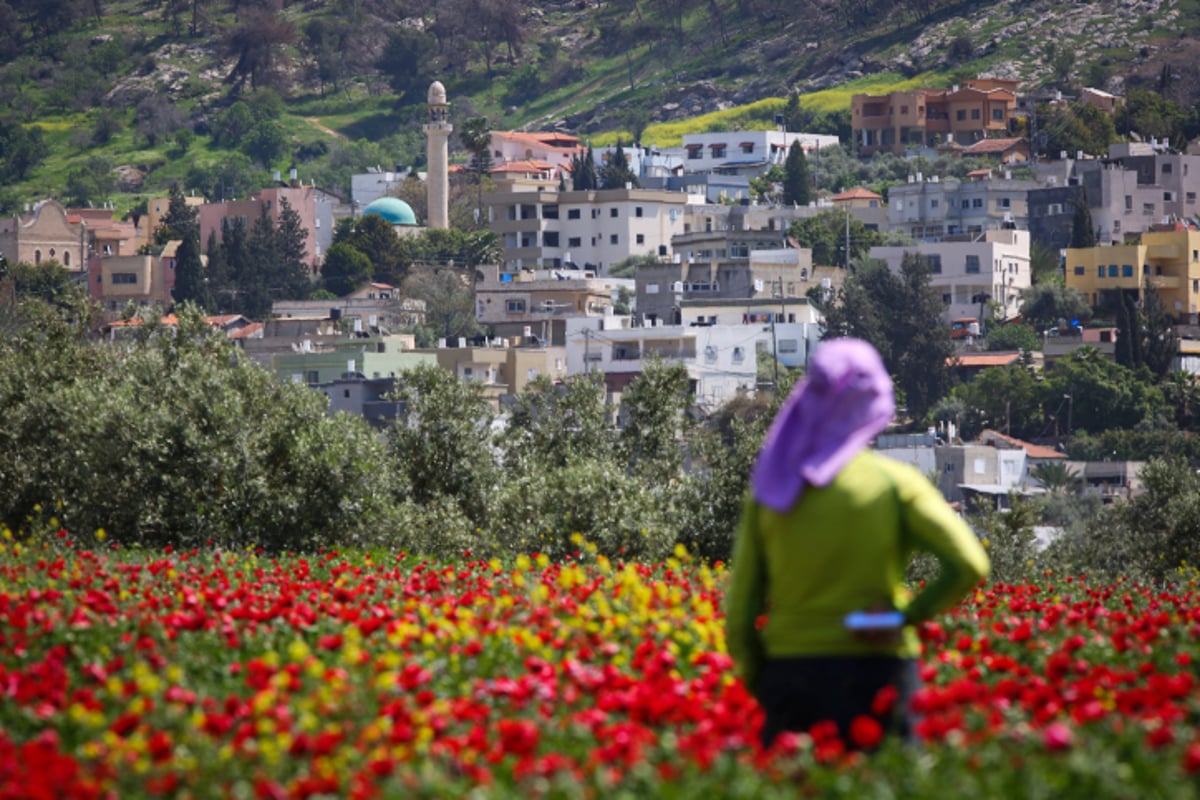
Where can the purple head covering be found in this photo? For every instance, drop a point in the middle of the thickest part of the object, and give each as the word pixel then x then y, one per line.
pixel 843 402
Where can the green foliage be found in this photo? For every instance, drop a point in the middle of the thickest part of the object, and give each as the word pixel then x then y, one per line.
pixel 1044 304
pixel 175 440
pixel 554 424
pixel 591 500
pixel 827 233
pixel 1163 522
pixel 1008 536
pixel 1013 336
pixel 1150 114
pixel 1078 127
pixel 1083 231
pixel 1009 399
pixel 21 150
pixel 440 445
pixel 797 182
pixel 616 173
pixel 448 297
pixel 1102 394
pixel 653 410
pixel 901 316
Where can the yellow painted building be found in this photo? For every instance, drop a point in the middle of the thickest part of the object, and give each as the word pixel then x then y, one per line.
pixel 1169 260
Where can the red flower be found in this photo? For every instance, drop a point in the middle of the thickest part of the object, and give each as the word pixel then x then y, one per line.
pixel 866 732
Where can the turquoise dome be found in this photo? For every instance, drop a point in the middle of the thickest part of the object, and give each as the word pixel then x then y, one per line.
pixel 393 209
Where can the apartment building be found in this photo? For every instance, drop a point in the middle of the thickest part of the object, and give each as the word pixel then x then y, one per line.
pixel 893 122
pixel 1167 257
pixel 746 152
pixel 541 226
pixel 1139 185
pixel 313 205
pixel 932 209
pixel 972 272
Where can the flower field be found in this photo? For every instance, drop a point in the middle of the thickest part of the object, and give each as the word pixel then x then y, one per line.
pixel 221 674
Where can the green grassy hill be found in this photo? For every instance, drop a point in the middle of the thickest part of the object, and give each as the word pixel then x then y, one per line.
pixel 105 101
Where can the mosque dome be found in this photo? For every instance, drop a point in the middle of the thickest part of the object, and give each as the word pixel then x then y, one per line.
pixel 393 209
pixel 437 94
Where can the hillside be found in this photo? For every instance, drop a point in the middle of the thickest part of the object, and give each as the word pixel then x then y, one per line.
pixel 105 100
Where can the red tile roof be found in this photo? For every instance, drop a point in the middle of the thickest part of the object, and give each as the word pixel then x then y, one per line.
pixel 992 145
pixel 857 193
pixel 1031 450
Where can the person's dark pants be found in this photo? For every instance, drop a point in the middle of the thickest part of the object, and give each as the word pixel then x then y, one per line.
pixel 797 693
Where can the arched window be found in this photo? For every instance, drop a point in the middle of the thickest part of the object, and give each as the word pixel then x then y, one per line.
pixel 66 258
pixel 52 253
pixel 37 256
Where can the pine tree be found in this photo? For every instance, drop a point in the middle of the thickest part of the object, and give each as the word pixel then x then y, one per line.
pixel 797 183
pixel 616 172
pixel 181 224
pixel 291 237
pixel 1083 232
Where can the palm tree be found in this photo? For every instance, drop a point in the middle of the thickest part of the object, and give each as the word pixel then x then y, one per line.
pixel 476 136
pixel 1057 477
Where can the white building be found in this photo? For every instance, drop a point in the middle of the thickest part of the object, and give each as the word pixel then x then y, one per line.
pixel 373 184
pixel 741 151
pixel 992 267
pixel 721 361
pixel 540 226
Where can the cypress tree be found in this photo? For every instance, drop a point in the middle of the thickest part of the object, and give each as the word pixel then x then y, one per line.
pixel 797 182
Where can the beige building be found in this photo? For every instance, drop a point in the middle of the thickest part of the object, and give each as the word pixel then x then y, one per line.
pixel 504 370
pixel 46 233
pixel 535 303
pixel 1167 257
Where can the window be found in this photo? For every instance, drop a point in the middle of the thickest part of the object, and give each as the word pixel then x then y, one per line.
pixel 977 202
pixel 641 238
pixel 66 258
pixel 935 264
pixel 1127 270
pixel 933 202
pixel 694 152
pixel 903 109
pixel 637 211
pixel 1079 270
pixel 972 265
pixel 1116 226
pixel 514 306
pixel 572 213
pixel 718 150
pixel 1112 270
pixel 960 115
pixel 124 278
pixel 1129 202
pixel 575 241
pixel 550 238
pixel 1003 202
pixel 1100 271
pixel 946 298
pixel 612 212
pixel 747 147
pixel 1168 196
pixel 37 256
pixel 613 239
pixel 997 115
pixel 788 346
pixel 1148 209
pixel 974 113
pixel 1166 169
pixel 550 212
pixel 312 376
pixel 1190 197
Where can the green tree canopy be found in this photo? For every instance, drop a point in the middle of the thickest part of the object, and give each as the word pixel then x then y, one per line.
pixel 797 181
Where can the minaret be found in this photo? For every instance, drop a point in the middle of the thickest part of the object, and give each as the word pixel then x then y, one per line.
pixel 437 154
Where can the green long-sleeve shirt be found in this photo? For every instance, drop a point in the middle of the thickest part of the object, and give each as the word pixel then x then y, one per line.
pixel 842 548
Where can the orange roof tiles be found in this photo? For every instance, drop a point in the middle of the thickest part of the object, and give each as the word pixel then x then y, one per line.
pixel 992 145
pixel 1031 450
pixel 858 193
pixel 983 359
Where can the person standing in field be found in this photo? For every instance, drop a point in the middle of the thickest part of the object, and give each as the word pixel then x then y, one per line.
pixel 827 532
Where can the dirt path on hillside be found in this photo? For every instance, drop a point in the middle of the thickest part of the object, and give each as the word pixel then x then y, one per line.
pixel 316 123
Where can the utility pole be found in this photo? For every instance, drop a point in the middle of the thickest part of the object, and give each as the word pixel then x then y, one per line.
pixel 847 239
